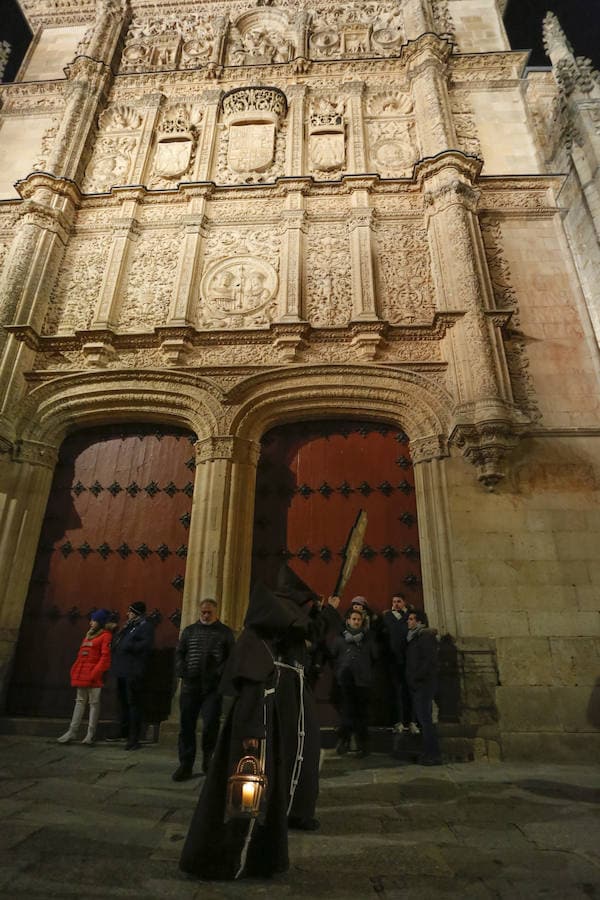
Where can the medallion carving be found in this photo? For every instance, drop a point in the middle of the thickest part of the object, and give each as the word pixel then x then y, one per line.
pixel 356 30
pixel 168 42
pixel 238 289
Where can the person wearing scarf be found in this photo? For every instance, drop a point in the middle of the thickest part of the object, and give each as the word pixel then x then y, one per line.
pixel 421 675
pixel 354 652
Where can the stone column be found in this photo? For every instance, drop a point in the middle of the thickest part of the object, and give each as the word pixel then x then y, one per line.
pixel 46 216
pixel 301 25
pixel 417 18
pixel 208 142
pixel 220 546
pixel 89 78
pixel 485 419
pixel 296 96
pixel 363 270
pixel 426 60
pixel 357 162
pixel 292 258
pixel 190 263
pixel 25 481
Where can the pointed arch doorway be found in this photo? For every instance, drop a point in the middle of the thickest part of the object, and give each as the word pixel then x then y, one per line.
pixel 115 531
pixel 312 480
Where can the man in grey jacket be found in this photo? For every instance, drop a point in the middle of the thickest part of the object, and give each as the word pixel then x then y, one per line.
pixel 200 658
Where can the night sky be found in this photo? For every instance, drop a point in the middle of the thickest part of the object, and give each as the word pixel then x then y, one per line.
pixel 579 18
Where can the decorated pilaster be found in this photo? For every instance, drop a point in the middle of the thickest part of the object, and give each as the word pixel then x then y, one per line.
pixel 210 102
pixel 296 96
pixel 486 422
pixel 363 270
pixel 220 547
pixel 427 70
pixel 358 150
pixel 292 255
pixel 26 469
pixel 125 232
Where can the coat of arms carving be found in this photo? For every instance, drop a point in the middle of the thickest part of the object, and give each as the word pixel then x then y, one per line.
pixel 173 156
pixel 251 147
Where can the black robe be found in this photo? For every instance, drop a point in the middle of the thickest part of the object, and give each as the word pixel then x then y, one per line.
pixel 274 703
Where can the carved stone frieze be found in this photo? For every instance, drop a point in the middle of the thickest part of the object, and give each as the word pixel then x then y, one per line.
pixel 78 285
pixel 260 37
pixel 355 29
pixel 406 293
pixel 328 275
pixel 465 123
pixel 150 280
pixel 228 447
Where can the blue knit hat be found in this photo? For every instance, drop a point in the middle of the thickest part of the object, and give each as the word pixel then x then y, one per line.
pixel 100 616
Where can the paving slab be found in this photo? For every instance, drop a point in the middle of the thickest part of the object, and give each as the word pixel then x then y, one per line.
pixel 486 831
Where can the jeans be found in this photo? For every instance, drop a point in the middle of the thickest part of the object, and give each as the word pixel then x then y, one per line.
pixel 193 702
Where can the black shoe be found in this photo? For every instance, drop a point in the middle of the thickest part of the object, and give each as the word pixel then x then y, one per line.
pixel 183 773
pixel 133 745
pixel 430 761
pixel 342 747
pixel 362 752
pixel 303 824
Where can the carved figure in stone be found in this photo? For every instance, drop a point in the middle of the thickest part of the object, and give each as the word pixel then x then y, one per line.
pixel 258 46
pixel 392 105
pixel 235 288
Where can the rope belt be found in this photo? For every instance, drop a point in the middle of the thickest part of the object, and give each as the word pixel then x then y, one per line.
pixel 297 768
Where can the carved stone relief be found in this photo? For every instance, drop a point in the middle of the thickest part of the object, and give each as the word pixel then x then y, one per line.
pixel 505 297
pixel 77 287
pixel 239 283
pixel 404 273
pixel 252 145
pixel 328 275
pixel 168 42
pixel 327 136
pixel 150 280
pixel 355 30
pixel 48 138
pixel 465 123
pixel 115 148
pixel 176 141
pixel 391 135
pixel 260 37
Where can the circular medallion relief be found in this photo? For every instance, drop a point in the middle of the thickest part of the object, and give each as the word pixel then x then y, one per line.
pixel 238 286
pixel 325 39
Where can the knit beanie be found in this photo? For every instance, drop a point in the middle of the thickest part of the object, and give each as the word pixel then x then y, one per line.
pixel 100 616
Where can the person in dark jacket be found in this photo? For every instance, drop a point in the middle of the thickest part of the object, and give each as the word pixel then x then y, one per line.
pixel 200 658
pixel 354 652
pixel 421 675
pixel 394 633
pixel 132 646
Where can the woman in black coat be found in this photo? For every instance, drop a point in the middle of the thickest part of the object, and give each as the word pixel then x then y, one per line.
pixel 354 652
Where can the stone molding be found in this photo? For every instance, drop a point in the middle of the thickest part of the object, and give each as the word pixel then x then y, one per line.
pixel 224 446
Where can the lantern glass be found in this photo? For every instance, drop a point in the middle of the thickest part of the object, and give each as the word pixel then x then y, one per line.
pixel 245 790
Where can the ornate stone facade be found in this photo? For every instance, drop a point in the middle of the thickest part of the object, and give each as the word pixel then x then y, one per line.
pixel 230 214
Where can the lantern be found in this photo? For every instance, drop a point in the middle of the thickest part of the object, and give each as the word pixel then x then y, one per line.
pixel 245 790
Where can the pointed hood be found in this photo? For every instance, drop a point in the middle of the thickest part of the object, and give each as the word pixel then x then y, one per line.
pixel 291 586
pixel 270 612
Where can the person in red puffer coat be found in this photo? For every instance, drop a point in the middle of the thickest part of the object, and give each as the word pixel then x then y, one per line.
pixel 87 675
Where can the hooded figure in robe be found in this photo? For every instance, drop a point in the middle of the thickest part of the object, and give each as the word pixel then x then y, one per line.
pixel 272 704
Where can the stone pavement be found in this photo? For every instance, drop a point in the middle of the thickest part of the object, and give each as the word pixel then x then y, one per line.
pixel 100 822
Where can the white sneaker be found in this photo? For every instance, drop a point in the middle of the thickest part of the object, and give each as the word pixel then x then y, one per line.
pixel 88 739
pixel 399 728
pixel 414 728
pixel 65 738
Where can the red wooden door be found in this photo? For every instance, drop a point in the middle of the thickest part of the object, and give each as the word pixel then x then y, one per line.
pixel 115 531
pixel 313 478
